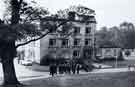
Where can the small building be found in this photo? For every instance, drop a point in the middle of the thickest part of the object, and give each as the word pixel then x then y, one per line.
pixel 108 52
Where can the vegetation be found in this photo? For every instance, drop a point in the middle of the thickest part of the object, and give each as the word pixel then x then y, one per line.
pixel 19 25
pixel 121 36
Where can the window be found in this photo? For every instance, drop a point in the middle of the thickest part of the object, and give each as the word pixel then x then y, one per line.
pixel 76 30
pixel 87 53
pixel 52 42
pixel 76 53
pixel 76 42
pixel 87 30
pixel 64 42
pixel 87 42
pixel 52 30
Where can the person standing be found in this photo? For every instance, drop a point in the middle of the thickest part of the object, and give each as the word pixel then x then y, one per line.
pixel 55 68
pixel 74 68
pixel 51 69
pixel 78 68
pixel 68 68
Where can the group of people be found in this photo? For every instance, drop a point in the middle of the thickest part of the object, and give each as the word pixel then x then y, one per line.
pixel 64 68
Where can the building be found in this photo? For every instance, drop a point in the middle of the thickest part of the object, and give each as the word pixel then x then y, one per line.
pixel 107 52
pixel 78 44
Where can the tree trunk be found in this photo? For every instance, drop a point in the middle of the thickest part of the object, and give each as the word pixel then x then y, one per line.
pixel 9 72
pixel 7 55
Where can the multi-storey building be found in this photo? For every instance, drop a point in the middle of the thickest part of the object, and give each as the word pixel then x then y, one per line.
pixel 76 45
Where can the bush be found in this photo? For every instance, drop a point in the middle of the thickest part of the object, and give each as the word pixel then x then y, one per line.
pixel 79 61
pixel 47 60
pixel 60 60
pixel 127 53
pixel 120 56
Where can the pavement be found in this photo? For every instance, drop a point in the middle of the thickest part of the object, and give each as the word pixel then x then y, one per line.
pixel 95 71
pixel 22 72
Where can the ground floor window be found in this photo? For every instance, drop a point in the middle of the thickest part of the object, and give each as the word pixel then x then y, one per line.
pixel 87 53
pixel 76 53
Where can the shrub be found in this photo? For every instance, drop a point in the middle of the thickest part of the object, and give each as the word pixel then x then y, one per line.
pixel 127 53
pixel 60 60
pixel 47 60
pixel 120 56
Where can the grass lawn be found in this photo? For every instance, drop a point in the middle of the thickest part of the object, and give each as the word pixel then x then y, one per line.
pixel 125 79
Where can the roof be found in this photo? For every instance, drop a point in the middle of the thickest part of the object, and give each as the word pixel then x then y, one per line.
pixel 109 45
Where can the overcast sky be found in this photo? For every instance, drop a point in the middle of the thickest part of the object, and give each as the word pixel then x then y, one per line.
pixel 108 12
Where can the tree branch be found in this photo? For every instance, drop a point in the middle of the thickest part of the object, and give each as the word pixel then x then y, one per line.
pixel 26 19
pixel 20 2
pixel 32 40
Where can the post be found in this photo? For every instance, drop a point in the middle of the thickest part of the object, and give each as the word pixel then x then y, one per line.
pixel 116 63
pixel 93 41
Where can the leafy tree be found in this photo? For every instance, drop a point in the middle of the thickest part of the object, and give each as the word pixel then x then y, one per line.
pixel 122 36
pixel 127 35
pixel 20 24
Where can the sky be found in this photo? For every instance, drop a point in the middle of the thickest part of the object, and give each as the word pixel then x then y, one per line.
pixel 108 12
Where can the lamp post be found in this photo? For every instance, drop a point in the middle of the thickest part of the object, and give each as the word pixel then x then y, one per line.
pixel 94 52
pixel 116 62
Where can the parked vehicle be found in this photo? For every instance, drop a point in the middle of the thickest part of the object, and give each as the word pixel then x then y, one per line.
pixel 26 62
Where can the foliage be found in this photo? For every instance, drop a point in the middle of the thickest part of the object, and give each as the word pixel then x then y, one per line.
pixel 47 60
pixel 122 36
pixel 127 53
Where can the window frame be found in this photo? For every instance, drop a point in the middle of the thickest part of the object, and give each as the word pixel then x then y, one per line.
pixel 77 29
pixel 88 43
pixel 53 42
pixel 88 30
pixel 76 53
pixel 66 42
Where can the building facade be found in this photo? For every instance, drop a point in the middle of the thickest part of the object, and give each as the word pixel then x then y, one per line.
pixel 61 45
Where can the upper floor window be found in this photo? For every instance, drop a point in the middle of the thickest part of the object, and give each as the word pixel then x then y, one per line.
pixel 76 42
pixel 64 42
pixel 88 30
pixel 76 30
pixel 76 53
pixel 87 42
pixel 52 42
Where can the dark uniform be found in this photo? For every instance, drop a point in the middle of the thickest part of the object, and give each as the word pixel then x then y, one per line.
pixel 51 69
pixel 73 68
pixel 78 68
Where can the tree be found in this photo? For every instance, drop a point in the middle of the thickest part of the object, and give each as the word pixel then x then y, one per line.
pixel 122 36
pixel 127 35
pixel 20 25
